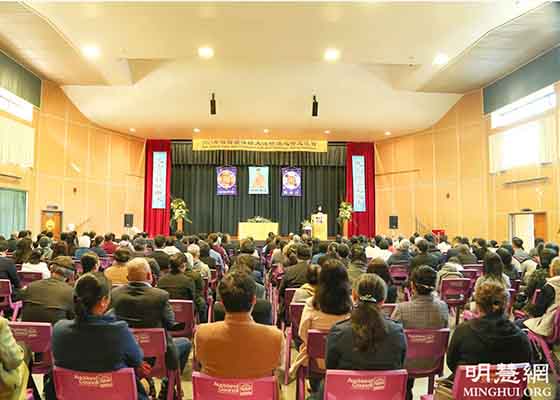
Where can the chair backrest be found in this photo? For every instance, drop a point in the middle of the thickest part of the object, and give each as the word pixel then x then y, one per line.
pixel 536 294
pixel 36 335
pixel 184 312
pixel 472 274
pixel 296 310
pixel 483 382
pixel 116 385
pixel 288 296
pixel 512 293
pixel 26 278
pixel 455 289
pixel 105 262
pixel 429 346
pixel 365 385
pixel 388 308
pixel 206 387
pixel 399 273
pixel 153 343
pixel 477 266
pixel 5 293
pixel 316 348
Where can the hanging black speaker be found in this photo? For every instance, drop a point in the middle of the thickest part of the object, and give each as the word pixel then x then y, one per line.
pixel 128 220
pixel 393 222
pixel 213 105
pixel 315 107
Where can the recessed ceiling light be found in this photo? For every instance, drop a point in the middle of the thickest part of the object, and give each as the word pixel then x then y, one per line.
pixel 205 52
pixel 441 59
pixel 132 130
pixel 265 130
pixel 91 51
pixel 331 54
pixel 327 131
pixel 387 133
pixel 196 130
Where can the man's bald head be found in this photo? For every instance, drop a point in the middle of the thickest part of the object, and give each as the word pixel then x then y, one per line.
pixel 139 270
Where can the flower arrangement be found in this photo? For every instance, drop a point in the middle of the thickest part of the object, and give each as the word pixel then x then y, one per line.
pixel 306 224
pixel 259 220
pixel 344 212
pixel 179 210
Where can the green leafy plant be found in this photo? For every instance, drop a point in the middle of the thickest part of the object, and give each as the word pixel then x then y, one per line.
pixel 344 212
pixel 259 220
pixel 306 223
pixel 179 210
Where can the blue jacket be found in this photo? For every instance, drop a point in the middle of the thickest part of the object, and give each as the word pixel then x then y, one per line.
pixel 98 344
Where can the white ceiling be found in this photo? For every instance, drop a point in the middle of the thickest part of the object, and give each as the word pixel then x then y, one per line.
pixel 267 65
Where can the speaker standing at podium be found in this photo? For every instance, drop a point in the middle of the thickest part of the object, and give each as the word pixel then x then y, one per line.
pixel 319 224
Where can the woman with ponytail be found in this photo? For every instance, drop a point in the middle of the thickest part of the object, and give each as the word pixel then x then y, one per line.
pixel 94 341
pixel 490 339
pixel 368 340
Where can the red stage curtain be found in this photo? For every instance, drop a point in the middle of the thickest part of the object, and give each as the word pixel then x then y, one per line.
pixel 156 221
pixel 362 223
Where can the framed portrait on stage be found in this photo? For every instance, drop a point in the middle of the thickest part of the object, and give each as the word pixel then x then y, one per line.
pixel 258 180
pixel 226 181
pixel 291 182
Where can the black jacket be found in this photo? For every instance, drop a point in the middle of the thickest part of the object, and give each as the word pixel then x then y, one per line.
pixel 262 312
pixel 8 271
pixel 294 277
pixel 490 339
pixel 47 300
pixel 179 286
pixel 399 258
pixel 143 306
pixel 424 259
pixel 390 353
pixel 162 258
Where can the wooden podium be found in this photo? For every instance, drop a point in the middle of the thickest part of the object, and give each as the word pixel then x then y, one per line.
pixel 320 226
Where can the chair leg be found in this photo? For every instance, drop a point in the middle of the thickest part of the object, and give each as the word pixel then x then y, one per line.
pixel 457 315
pixel 287 356
pixel 431 380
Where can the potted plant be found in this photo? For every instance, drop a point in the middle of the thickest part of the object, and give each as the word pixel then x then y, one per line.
pixel 179 213
pixel 344 215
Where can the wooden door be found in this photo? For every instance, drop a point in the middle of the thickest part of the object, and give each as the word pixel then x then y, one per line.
pixel 52 221
pixel 540 226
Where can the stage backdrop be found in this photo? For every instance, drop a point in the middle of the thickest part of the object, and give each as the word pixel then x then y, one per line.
pixel 193 178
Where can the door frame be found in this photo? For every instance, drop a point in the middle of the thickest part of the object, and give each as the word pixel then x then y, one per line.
pixel 511 216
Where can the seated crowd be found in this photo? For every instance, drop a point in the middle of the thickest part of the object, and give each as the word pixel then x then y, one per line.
pixel 94 289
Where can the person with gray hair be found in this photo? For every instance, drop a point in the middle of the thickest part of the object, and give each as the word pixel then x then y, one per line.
pixel 402 256
pixel 197 265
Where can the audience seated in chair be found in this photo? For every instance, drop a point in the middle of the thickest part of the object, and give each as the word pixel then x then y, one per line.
pixel 50 300
pixel 367 340
pixel 14 373
pixel 425 310
pixel 23 250
pixel 108 244
pixel 451 269
pixel 96 247
pixel 34 264
pixel 308 289
pixel 117 273
pixel 464 255
pixel 539 277
pixel 139 245
pixel 493 272
pixel 90 263
pixel 161 257
pixel 93 341
pixel 331 303
pixel 143 306
pixel 379 267
pixel 541 315
pixel 509 268
pixel 84 244
pixel 294 276
pixel 491 338
pixel 423 257
pixel 198 265
pixel 402 256
pixel 45 247
pixel 238 347
pixel 358 263
pixel 176 283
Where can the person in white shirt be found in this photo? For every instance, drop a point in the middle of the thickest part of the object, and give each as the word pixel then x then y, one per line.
pixel 384 251
pixel 170 247
pixel 370 251
pixel 443 246
pixel 36 265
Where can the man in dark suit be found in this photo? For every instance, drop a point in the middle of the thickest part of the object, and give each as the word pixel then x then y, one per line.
pixel 179 241
pixel 424 257
pixel 295 276
pixel 50 300
pixel 7 267
pixel 143 306
pixel 161 257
